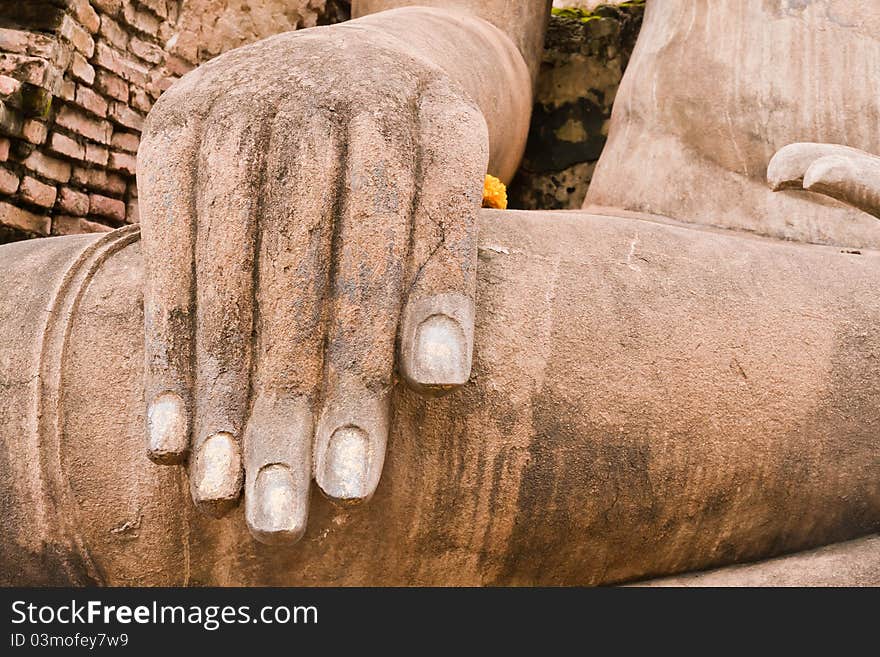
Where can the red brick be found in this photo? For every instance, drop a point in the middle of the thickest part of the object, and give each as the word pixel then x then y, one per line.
pixel 159 83
pixel 85 15
pixel 111 85
pixel 32 70
pixel 178 66
pixel 63 225
pixel 104 181
pixel 25 42
pixel 132 212
pixel 15 217
pixel 8 85
pixel 78 36
pixel 125 116
pixel 36 192
pixel 146 51
pixel 81 70
pixel 110 208
pixel 125 141
pixel 95 129
pixel 158 7
pixel 8 182
pixel 68 90
pixel 10 120
pixel 97 154
pixel 89 100
pixel 4 149
pixel 111 7
pixel 115 62
pixel 124 162
pixel 64 145
pixel 114 34
pixel 73 202
pixel 140 20
pixel 14 40
pixel 48 167
pixel 34 131
pixel 166 31
pixel 140 100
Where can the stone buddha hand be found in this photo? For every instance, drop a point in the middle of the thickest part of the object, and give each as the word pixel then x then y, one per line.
pixel 308 211
pixel 847 174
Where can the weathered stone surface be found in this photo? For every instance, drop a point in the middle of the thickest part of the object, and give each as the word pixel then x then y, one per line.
pixel 595 472
pixel 695 145
pixel 854 563
pixel 588 320
pixel 394 75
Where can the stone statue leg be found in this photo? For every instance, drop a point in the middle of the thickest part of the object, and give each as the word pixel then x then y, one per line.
pixel 646 399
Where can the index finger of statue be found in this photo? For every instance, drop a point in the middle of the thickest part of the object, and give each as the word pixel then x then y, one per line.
pixel 230 173
pixel 437 333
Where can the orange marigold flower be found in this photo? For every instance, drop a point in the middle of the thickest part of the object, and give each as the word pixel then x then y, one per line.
pixel 494 193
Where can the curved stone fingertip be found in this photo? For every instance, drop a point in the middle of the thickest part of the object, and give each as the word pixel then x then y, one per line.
pixel 216 475
pixel 786 168
pixel 437 343
pixel 350 445
pixel 347 465
pixel 167 429
pixel 276 508
pixel 829 173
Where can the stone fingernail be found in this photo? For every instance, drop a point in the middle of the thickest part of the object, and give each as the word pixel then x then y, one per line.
pixel 167 429
pixel 216 474
pixel 440 352
pixel 276 514
pixel 346 464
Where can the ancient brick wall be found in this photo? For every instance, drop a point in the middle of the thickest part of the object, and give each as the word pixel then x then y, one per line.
pixel 77 78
